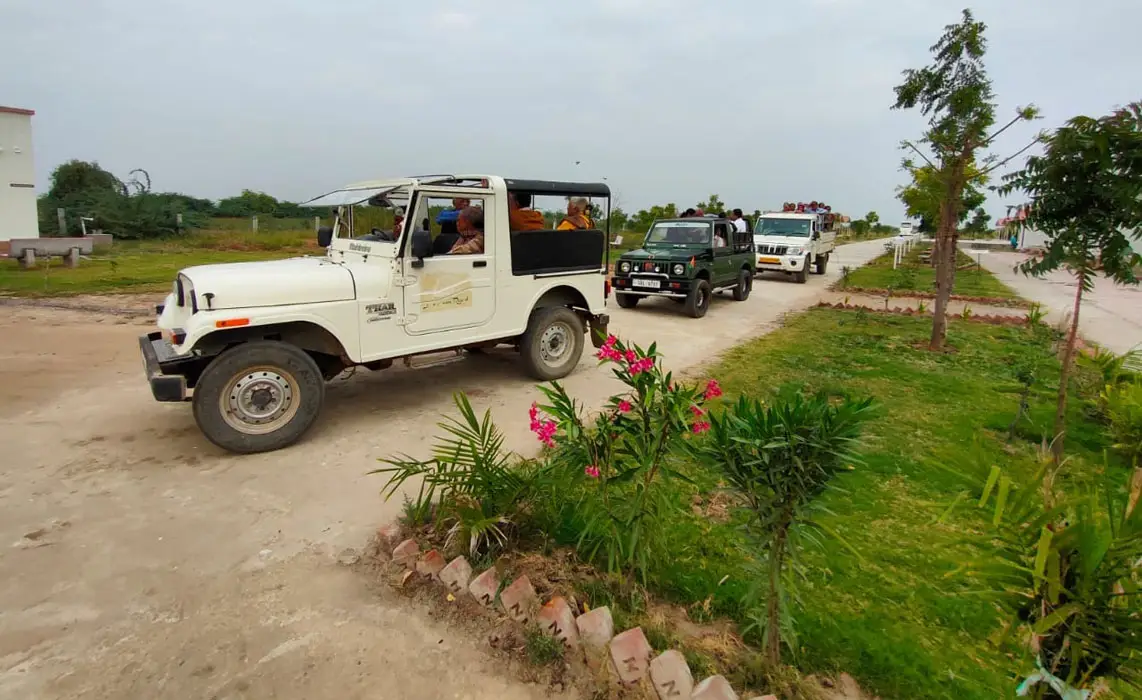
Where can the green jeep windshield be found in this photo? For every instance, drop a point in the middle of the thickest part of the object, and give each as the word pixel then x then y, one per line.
pixel 680 233
pixel 782 227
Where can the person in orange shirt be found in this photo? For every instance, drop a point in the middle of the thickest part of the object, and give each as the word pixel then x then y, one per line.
pixel 520 216
pixel 576 218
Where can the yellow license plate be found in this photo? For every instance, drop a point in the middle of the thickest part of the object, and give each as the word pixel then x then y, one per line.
pixel 775 261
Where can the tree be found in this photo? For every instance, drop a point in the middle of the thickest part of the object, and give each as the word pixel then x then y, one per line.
pixel 249 203
pixel 921 197
pixel 872 218
pixel 1086 198
pixel 712 205
pixel 980 222
pixel 955 94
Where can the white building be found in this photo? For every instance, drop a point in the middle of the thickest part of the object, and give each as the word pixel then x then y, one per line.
pixel 18 218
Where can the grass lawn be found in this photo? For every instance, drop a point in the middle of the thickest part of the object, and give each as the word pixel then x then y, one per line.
pixel 919 276
pixel 150 266
pixel 896 617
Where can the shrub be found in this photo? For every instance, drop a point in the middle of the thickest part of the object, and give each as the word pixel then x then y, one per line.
pixel 604 476
pixel 480 487
pixel 1124 410
pixel 782 458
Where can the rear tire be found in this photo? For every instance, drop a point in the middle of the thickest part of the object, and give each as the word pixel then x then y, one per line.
pixel 822 264
pixel 553 343
pixel 258 397
pixel 745 285
pixel 698 301
pixel 627 301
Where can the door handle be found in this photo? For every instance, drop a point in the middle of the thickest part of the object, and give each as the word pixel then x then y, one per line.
pixel 479 263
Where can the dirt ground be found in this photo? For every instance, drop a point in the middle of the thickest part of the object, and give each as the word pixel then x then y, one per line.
pixel 139 561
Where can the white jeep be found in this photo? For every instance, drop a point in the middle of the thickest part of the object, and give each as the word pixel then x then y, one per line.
pixel 251 344
pixel 792 242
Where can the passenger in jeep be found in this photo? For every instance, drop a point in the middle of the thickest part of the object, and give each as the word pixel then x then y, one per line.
pixel 520 216
pixel 471 228
pixel 576 218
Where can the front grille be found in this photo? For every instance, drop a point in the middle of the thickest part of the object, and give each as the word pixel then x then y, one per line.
pixel 772 249
pixel 658 268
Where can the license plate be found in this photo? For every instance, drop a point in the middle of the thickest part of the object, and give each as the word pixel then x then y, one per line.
pixel 646 284
pixel 774 261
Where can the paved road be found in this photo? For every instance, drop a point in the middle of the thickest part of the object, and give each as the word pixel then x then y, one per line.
pixel 1111 315
pixel 141 562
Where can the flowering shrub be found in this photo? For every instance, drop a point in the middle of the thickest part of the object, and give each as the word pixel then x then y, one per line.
pixel 605 472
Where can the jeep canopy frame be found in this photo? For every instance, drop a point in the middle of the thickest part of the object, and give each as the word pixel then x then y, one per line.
pixel 556 188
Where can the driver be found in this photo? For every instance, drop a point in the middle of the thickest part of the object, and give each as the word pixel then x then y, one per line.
pixel 470 225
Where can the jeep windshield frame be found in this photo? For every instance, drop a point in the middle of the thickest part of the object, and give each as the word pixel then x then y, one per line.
pixel 686 233
pixel 783 226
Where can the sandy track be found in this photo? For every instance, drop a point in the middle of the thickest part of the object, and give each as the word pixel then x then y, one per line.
pixel 139 561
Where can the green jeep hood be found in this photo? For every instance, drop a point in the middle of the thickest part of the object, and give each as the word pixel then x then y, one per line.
pixel 662 254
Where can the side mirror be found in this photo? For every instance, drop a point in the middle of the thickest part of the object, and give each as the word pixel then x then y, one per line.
pixel 324 236
pixel 420 244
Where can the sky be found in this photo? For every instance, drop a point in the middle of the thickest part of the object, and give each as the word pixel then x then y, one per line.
pixel 668 100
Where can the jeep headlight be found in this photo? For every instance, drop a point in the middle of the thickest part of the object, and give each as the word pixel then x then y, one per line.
pixel 624 267
pixel 679 270
pixel 795 250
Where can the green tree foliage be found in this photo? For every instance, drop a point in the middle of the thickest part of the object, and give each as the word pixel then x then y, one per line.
pixel 922 196
pixel 642 220
pixel 712 205
pixel 1086 198
pixel 955 93
pixel 872 218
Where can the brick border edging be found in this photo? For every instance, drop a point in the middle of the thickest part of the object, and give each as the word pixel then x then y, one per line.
pixel 590 636
pixel 989 319
pixel 917 294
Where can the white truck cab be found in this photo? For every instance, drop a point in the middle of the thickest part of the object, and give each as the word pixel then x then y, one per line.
pixel 251 344
pixel 793 242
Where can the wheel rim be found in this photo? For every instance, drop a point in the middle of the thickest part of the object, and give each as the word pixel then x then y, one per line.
pixel 555 344
pixel 703 297
pixel 260 400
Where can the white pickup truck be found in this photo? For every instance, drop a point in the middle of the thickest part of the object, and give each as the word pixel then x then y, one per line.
pixel 251 344
pixel 792 242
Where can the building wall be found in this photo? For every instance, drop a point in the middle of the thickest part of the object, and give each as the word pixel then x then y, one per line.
pixel 18 217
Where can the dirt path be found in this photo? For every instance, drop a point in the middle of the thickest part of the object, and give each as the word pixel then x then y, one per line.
pixel 1110 316
pixel 140 562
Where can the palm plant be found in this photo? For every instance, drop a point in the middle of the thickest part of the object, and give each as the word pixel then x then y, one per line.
pixel 782 458
pixel 479 486
pixel 1066 572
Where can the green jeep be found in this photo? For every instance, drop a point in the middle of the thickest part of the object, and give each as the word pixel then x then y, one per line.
pixel 687 260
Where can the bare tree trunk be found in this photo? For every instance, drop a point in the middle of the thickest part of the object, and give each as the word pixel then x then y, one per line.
pixel 1065 373
pixel 944 278
pixel 773 605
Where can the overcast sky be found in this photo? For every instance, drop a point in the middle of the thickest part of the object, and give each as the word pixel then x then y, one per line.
pixel 669 100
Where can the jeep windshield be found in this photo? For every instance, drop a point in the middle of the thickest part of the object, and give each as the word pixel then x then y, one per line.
pixel 679 233
pixel 782 227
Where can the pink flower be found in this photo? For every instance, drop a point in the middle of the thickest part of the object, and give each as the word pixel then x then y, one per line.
pixel 592 471
pixel 544 429
pixel 700 427
pixel 610 341
pixel 644 365
pixel 624 406
pixel 608 353
pixel 713 391
pixel 631 356
pixel 697 411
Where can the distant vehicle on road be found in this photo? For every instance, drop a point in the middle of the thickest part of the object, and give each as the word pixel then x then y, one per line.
pixel 793 242
pixel 686 260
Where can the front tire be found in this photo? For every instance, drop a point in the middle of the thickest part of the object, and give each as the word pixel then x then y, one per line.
pixel 258 397
pixel 803 274
pixel 698 301
pixel 822 264
pixel 553 343
pixel 745 285
pixel 627 301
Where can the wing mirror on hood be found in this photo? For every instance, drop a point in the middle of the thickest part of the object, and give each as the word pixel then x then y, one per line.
pixel 420 247
pixel 324 236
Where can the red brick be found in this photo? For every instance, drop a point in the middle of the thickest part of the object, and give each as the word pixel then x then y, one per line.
pixel 596 628
pixel 455 576
pixel 519 598
pixel 630 653
pixel 388 534
pixel 671 676
pixel 405 554
pixel 484 587
pixel 765 697
pixel 431 564
pixel 714 688
pixel 558 620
